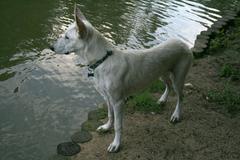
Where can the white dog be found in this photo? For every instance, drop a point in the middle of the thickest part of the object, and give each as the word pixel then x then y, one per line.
pixel 117 73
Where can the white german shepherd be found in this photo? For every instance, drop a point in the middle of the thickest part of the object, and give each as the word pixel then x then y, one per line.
pixel 118 74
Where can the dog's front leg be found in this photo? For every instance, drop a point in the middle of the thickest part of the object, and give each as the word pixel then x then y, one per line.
pixel 118 116
pixel 107 126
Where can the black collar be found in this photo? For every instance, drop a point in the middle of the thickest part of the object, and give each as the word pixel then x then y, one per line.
pixel 95 65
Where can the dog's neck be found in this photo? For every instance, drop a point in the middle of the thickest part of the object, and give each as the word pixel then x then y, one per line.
pixel 96 50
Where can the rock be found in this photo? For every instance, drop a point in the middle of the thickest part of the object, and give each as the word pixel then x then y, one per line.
pixel 216 26
pixel 188 85
pixel 81 136
pixel 98 114
pixel 203 37
pixel 91 125
pixel 68 148
pixel 200 44
pixel 197 52
pixel 206 33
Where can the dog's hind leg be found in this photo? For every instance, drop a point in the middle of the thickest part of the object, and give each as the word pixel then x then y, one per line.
pixel 107 126
pixel 163 98
pixel 178 79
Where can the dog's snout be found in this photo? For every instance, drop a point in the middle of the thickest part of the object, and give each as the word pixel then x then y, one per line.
pixel 52 48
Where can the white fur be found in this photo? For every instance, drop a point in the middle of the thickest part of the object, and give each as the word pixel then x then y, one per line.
pixel 126 72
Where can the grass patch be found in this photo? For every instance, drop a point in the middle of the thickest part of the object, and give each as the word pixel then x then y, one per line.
pixel 225 37
pixel 98 114
pixel 228 98
pixel 6 75
pixel 145 101
pixel 156 87
pixel 230 71
pixel 221 41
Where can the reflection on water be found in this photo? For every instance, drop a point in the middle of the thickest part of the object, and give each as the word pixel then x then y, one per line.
pixel 49 104
pixel 44 97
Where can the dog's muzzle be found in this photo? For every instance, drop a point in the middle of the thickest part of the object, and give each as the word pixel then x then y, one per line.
pixel 52 49
pixel 67 53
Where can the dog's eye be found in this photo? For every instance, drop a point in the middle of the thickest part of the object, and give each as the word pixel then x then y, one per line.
pixel 66 37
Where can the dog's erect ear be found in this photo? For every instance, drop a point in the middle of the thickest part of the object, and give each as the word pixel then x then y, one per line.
pixel 79 17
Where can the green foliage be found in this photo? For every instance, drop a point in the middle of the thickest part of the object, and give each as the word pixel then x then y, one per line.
pixel 228 98
pixel 144 102
pixel 218 42
pixel 156 87
pixel 225 38
pixel 91 125
pixel 229 70
pixel 98 114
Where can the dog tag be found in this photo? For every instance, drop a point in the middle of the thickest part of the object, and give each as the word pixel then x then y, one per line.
pixel 90 72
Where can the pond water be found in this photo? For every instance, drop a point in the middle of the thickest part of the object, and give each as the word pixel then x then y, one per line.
pixel 44 98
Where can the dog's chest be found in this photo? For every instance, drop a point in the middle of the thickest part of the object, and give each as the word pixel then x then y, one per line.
pixel 100 84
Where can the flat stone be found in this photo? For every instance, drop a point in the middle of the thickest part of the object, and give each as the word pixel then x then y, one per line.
pixel 200 44
pixel 68 148
pixel 81 136
pixel 216 25
pixel 223 19
pixel 220 22
pixel 197 52
pixel 206 33
pixel 98 114
pixel 91 125
pixel 203 37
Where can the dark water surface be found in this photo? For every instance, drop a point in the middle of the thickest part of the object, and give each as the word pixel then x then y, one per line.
pixel 44 97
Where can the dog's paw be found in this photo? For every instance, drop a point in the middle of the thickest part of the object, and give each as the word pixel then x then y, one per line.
pixel 175 117
pixel 104 128
pixel 114 147
pixel 161 102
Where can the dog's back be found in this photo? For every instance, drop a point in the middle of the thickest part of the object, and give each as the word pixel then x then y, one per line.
pixel 144 66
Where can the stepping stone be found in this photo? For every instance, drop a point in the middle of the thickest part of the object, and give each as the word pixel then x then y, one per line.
pixel 68 148
pixel 216 26
pixel 200 43
pixel 81 136
pixel 203 37
pixel 206 33
pixel 91 125
pixel 197 52
pixel 98 114
pixel 223 19
pixel 220 22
